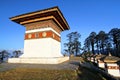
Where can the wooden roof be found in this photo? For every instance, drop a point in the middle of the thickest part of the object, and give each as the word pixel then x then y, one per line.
pixel 53 13
pixel 111 59
pixel 100 56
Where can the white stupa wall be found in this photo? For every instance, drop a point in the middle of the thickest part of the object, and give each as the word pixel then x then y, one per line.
pixel 42 47
pixel 41 50
pixel 101 64
pixel 42 37
pixel 113 69
pixel 55 48
pixel 46 47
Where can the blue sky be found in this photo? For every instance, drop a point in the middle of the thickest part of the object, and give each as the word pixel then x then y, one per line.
pixel 83 16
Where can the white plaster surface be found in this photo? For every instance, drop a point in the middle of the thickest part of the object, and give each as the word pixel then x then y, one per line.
pixel 112 64
pixel 39 60
pixel 45 47
pixel 114 72
pixel 102 65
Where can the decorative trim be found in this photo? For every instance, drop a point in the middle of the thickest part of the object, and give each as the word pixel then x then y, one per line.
pixel 42 34
pixel 113 67
pixel 29 36
pixel 43 29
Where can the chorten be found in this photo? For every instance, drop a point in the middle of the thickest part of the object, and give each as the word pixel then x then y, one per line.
pixel 42 36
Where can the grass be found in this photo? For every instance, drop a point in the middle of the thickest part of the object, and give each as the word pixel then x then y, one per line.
pixel 38 74
pixel 82 73
pixel 75 58
pixel 89 74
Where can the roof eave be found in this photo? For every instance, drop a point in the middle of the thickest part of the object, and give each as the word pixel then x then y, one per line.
pixel 17 18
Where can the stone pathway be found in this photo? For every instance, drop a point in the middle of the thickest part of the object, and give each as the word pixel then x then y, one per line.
pixel 72 65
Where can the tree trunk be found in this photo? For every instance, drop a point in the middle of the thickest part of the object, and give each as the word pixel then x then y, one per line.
pixel 93 49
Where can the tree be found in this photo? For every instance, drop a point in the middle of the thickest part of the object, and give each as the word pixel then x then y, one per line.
pixel 3 54
pixel 17 53
pixel 108 45
pixel 103 37
pixel 76 47
pixel 87 44
pixel 115 36
pixel 92 40
pixel 97 41
pixel 69 44
pixel 73 45
pixel 104 42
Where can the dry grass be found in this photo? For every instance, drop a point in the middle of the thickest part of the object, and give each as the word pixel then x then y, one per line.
pixel 30 73
pixel 38 74
pixel 42 74
pixel 89 74
pixel 75 58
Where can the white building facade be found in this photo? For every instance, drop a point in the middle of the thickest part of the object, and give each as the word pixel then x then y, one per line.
pixel 42 37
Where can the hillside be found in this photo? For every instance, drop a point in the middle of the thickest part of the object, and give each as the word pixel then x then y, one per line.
pixel 69 70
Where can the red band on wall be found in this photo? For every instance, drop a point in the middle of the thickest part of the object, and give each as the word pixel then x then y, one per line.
pixel 44 34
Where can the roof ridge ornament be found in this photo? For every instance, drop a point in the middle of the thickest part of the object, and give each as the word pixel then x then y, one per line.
pixel 109 54
pixel 100 54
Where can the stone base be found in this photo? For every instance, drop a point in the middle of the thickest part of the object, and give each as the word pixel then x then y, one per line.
pixel 37 60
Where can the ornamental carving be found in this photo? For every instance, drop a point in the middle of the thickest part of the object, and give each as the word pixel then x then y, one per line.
pixel 53 35
pixel 30 35
pixel 44 34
